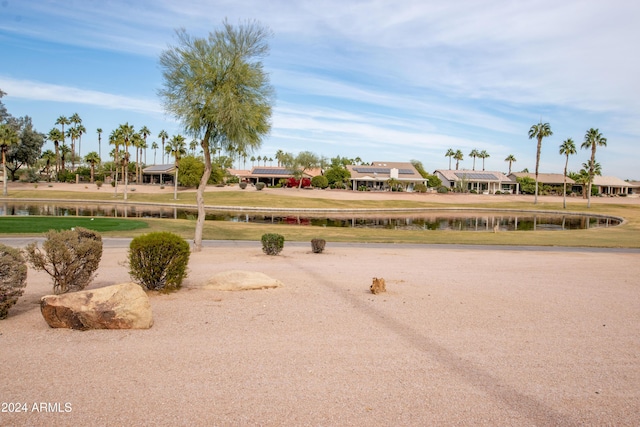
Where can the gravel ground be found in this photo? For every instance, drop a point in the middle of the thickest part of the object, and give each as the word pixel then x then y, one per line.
pixel 464 336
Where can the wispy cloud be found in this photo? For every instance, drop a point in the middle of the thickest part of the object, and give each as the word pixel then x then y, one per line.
pixel 39 91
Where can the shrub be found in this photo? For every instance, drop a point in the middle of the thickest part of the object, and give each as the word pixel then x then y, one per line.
pixel 99 184
pixel 259 185
pixel 317 245
pixel 13 278
pixel 498 192
pixel 420 188
pixel 319 182
pixel 442 189
pixel 70 257
pixel 158 261
pixel 243 185
pixel 272 243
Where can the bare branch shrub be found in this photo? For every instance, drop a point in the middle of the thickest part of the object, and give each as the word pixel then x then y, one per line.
pixel 13 278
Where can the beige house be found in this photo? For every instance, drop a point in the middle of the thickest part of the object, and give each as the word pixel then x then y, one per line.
pixel 610 185
pixel 159 174
pixel 377 175
pixel 486 182
pixel 271 175
pixel 552 179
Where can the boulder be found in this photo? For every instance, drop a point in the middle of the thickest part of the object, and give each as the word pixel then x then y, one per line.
pixel 123 306
pixel 378 286
pixel 237 280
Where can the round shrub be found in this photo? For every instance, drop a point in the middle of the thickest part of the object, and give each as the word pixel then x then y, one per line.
pixel 420 188
pixel 317 245
pixel 272 243
pixel 13 278
pixel 319 181
pixel 242 185
pixel 158 261
pixel 259 185
pixel 70 257
pixel 442 189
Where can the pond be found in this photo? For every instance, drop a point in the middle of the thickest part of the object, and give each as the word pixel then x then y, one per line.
pixel 425 219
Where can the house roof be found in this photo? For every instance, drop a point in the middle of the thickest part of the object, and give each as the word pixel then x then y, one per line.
pixel 280 172
pixel 382 171
pixel 545 178
pixel 471 175
pixel 159 169
pixel 610 181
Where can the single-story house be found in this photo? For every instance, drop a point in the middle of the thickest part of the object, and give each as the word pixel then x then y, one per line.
pixel 552 179
pixel 271 175
pixel 611 185
pixel 377 175
pixel 487 182
pixel 159 174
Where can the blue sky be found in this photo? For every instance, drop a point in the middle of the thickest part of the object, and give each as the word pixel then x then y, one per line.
pixel 379 79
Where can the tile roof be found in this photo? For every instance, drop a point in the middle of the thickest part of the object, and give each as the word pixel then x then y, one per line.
pixel 381 171
pixel 471 175
pixel 545 178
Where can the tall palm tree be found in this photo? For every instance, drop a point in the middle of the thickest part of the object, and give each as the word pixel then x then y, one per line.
pixel 567 148
pixel 144 132
pixel 137 142
pixel 92 159
pixel 450 153
pixel 279 155
pixel 115 140
pixel 49 157
pixel 99 130
pixel 126 132
pixel 56 136
pixel 163 135
pixel 8 137
pixel 177 149
pixel 458 156
pixel 81 130
pixel 539 131
pixel 154 147
pixel 75 120
pixel 510 158
pixel 474 153
pixel 62 120
pixel 483 155
pixel 73 134
pixel 253 160
pixel 193 145
pixel 259 159
pixel 592 139
pixel 270 161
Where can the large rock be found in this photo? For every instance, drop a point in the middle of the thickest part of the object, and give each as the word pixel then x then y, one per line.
pixel 124 306
pixel 237 280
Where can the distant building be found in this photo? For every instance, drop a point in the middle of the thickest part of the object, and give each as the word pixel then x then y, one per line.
pixel 377 176
pixel 612 186
pixel 487 182
pixel 159 174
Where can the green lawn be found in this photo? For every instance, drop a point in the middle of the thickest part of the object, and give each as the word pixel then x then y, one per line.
pixel 626 235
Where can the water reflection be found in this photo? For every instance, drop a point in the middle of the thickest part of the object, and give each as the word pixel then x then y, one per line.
pixel 467 220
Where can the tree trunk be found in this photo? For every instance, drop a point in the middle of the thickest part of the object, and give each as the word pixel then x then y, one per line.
pixel 197 240
pixel 535 200
pixel 564 191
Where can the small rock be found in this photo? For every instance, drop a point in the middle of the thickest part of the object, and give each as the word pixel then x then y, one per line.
pixel 378 286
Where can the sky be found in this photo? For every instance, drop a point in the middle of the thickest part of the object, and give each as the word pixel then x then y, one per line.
pixel 383 80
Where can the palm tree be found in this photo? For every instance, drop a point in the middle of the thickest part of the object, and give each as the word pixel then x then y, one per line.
pixel 49 157
pixel 177 149
pixel 154 147
pixel 279 155
pixel 539 131
pixel 81 130
pixel 65 153
pixel 76 121
pixel 126 132
pixel 62 120
pixel 270 161
pixel 458 156
pixel 56 136
pixel 115 140
pixel 259 159
pixel 483 155
pixel 567 148
pixel 592 139
pixel 474 153
pixel 99 130
pixel 137 142
pixel 253 160
pixel 144 132
pixel 8 137
pixel 163 136
pixel 92 159
pixel 510 158
pixel 450 153
pixel 73 134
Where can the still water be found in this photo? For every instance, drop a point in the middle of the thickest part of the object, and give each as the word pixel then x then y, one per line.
pixel 459 220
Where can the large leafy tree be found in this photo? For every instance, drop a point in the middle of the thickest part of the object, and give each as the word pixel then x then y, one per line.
pixel 539 131
pixel 593 139
pixel 567 148
pixel 217 88
pixel 29 147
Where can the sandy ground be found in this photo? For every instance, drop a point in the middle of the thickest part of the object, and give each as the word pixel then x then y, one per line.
pixel 464 336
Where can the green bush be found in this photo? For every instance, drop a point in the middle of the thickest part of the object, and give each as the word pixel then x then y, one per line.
pixel 319 182
pixel 420 188
pixel 317 245
pixel 243 185
pixel 13 278
pixel 70 257
pixel 259 185
pixel 442 189
pixel 158 261
pixel 272 243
